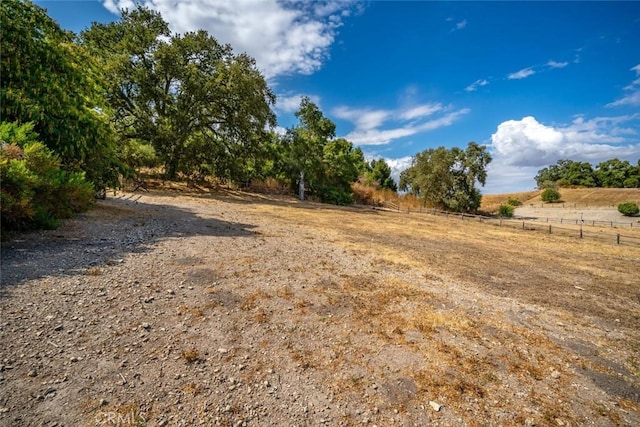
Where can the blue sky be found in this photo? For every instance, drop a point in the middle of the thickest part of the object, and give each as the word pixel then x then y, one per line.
pixel 534 81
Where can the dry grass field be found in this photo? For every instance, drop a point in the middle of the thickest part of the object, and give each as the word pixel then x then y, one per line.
pixel 580 197
pixel 359 316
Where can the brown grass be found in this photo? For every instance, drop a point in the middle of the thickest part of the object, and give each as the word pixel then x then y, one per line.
pixel 190 355
pixel 597 197
pixel 492 202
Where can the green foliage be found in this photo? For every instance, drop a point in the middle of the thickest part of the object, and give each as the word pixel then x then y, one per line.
pixel 335 195
pixel 314 161
pixel 629 209
pixel 506 211
pixel 48 80
pixel 610 173
pixel 514 202
pixel 550 195
pixel 138 154
pixel 202 108
pixel 35 191
pixel 447 178
pixel 379 175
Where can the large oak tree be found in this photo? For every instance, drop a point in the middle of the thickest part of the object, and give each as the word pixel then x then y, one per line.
pixel 188 96
pixel 447 178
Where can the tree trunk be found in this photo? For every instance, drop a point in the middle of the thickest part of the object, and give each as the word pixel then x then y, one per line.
pixel 301 186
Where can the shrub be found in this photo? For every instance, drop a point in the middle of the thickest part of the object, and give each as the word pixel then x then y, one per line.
pixel 550 195
pixel 36 192
pixel 506 211
pixel 335 195
pixel 514 202
pixel 628 208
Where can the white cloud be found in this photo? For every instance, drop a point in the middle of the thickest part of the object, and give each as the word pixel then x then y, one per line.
pixel 554 64
pixel 460 25
pixel 520 148
pixel 364 119
pixel 291 103
pixel 420 111
pixel 503 178
pixel 475 85
pixel 283 37
pixel 115 6
pixel 398 165
pixel 633 92
pixel 527 142
pixel 375 136
pixel 522 74
pixel 530 71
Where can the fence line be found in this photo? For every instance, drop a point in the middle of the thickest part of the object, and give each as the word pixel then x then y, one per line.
pixel 532 225
pixel 576 221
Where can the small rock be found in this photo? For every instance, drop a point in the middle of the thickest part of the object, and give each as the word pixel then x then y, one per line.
pixel 223 350
pixel 555 375
pixel 58 328
pixel 103 402
pixel 74 359
pixel 33 373
pixel 171 292
pixel 435 406
pixel 148 299
pixel 146 326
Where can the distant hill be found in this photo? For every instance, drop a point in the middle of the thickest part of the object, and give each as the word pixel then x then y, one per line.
pixel 596 197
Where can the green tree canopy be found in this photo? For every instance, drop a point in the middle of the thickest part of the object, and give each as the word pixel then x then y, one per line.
pixel 319 162
pixel 50 81
pixel 610 173
pixel 447 178
pixel 306 144
pixel 192 99
pixel 617 173
pixel 379 174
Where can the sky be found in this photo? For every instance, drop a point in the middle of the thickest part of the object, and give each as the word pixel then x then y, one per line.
pixel 535 82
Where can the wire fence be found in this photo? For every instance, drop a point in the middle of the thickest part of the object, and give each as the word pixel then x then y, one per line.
pixel 578 221
pixel 581 229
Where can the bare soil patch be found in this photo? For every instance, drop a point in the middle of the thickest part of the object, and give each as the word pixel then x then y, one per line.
pixel 234 309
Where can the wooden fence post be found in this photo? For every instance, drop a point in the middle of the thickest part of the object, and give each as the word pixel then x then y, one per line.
pixel 549 228
pixel 581 231
pixel 618 238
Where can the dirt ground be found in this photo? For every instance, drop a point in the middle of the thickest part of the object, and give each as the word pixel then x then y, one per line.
pixel 245 310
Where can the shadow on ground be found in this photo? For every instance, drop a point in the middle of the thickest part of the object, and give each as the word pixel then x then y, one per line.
pixel 104 236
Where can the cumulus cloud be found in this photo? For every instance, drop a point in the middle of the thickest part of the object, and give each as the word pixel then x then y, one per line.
pixel 520 148
pixel 475 85
pixel 632 96
pixel 368 123
pixel 398 165
pixel 284 37
pixel 526 142
pixel 522 74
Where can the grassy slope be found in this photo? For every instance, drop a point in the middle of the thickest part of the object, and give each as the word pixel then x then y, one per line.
pixel 595 197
